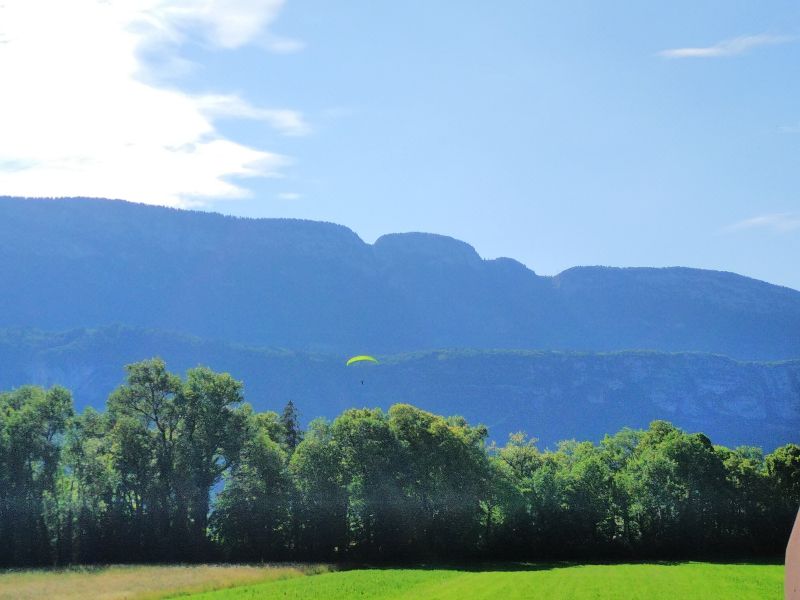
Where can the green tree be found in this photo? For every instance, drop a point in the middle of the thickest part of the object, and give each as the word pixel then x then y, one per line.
pixel 149 396
pixel 586 484
pixel 371 460
pixel 322 503
pixel 447 502
pixel 519 460
pixel 32 423
pixel 251 515
pixel 211 433
pixel 134 484
pixel 676 482
pixel 783 468
pixel 290 423
pixel 743 514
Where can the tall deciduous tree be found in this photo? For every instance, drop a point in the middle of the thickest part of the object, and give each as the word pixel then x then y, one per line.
pixel 212 430
pixel 149 396
pixel 251 518
pixel 32 421
pixel 322 507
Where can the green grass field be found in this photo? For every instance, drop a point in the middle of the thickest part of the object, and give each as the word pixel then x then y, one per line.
pixel 683 581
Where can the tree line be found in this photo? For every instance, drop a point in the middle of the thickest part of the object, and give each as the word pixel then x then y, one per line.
pixel 182 469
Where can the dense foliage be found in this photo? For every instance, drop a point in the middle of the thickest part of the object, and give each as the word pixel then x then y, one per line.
pixel 181 470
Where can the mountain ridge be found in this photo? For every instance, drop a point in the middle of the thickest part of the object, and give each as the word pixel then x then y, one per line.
pixel 319 287
pixel 98 202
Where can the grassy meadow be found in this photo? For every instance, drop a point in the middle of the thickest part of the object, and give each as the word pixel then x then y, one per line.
pixel 686 581
pixel 139 582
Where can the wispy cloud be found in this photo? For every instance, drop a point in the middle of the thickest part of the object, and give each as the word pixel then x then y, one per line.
pixel 82 112
pixel 283 45
pixel 732 47
pixel 225 24
pixel 288 122
pixel 289 196
pixel 775 222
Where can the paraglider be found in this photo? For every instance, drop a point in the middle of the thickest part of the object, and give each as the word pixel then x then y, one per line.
pixel 360 359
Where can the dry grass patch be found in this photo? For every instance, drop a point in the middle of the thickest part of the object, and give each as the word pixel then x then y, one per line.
pixel 139 582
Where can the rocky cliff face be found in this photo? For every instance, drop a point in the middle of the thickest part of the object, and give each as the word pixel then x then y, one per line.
pixel 550 395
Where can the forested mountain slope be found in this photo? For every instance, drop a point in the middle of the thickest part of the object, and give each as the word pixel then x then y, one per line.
pixel 318 287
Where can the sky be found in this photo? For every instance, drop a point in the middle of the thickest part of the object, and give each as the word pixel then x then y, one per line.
pixel 556 133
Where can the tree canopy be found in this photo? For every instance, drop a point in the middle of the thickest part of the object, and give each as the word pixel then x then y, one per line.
pixel 182 469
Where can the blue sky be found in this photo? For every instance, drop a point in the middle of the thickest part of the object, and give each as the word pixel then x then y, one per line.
pixel 560 134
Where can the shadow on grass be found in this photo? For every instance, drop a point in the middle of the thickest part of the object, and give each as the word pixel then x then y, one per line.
pixel 521 566
pixel 476 566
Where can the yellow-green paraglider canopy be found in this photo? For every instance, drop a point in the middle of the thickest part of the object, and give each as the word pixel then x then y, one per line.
pixel 362 358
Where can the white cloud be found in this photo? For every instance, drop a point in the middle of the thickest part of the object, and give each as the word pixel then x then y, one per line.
pixel 776 222
pixel 730 47
pixel 224 23
pixel 80 115
pixel 288 122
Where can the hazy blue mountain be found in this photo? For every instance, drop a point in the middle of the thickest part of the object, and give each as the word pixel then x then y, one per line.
pixel 318 287
pixel 551 395
pixel 320 292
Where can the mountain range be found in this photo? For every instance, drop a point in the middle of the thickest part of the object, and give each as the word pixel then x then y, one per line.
pixel 89 284
pixel 316 286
